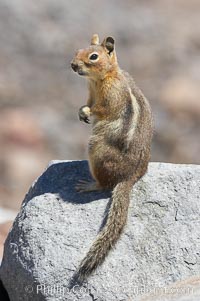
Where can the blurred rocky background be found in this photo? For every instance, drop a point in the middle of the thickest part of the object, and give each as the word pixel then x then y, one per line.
pixel 158 42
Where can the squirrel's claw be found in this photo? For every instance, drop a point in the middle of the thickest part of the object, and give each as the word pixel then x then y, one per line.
pixel 84 119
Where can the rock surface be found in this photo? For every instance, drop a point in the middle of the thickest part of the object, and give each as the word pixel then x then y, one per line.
pixel 157 42
pixel 56 226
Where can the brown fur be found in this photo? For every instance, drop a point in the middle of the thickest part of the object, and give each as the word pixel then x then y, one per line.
pixel 119 147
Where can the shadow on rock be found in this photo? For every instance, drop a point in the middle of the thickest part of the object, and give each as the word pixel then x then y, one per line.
pixel 61 179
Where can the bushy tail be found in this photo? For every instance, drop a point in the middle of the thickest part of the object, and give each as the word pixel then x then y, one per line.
pixel 106 239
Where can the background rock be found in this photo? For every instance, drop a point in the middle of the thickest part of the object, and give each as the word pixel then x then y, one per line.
pixel 6 220
pixel 186 290
pixel 4 229
pixel 56 227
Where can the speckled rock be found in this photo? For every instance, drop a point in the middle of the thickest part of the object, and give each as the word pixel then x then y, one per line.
pixel 56 226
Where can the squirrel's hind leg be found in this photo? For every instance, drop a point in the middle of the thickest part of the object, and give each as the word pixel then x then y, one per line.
pixel 87 186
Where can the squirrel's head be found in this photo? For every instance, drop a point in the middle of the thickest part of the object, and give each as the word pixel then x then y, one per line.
pixel 97 60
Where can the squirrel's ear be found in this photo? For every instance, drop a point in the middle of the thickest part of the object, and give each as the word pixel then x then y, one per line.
pixel 95 39
pixel 108 43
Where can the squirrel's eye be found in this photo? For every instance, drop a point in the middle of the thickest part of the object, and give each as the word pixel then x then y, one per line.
pixel 93 57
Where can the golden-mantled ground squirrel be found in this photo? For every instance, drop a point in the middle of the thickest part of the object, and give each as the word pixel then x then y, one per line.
pixel 119 147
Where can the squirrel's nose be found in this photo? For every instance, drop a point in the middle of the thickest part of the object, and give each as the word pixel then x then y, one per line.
pixel 74 66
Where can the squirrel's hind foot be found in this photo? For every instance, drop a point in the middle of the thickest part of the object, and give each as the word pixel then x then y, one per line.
pixel 87 186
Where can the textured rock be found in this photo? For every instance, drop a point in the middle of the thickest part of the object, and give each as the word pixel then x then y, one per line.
pixel 56 226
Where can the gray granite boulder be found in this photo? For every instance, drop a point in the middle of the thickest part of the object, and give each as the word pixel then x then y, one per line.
pixel 56 226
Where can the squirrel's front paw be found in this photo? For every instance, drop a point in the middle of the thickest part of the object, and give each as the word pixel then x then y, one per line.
pixel 84 114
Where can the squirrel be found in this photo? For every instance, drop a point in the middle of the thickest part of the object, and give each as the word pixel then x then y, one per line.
pixel 120 144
